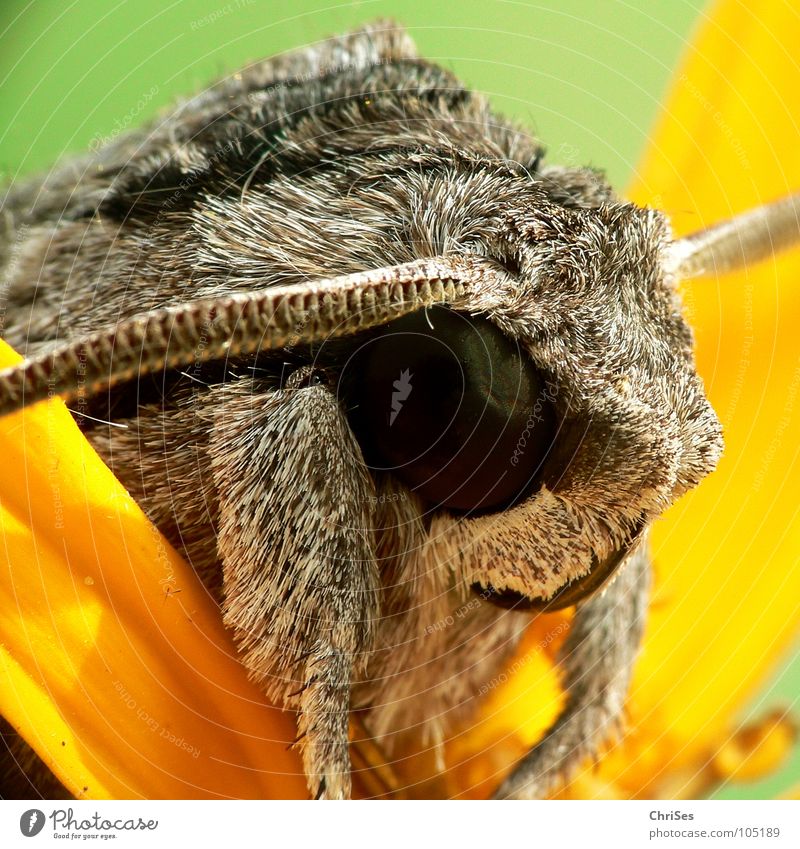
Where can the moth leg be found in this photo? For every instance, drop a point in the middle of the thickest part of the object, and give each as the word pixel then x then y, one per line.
pixel 295 538
pixel 324 722
pixel 597 662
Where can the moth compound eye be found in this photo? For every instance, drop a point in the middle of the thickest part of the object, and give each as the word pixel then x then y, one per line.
pixel 452 407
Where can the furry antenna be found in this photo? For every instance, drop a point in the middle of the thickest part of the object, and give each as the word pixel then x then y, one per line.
pixel 238 324
pixel 738 242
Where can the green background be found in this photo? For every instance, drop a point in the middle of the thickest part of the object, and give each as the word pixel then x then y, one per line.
pixel 587 77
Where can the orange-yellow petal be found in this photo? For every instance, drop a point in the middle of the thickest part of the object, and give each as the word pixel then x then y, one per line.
pixel 727 604
pixel 113 661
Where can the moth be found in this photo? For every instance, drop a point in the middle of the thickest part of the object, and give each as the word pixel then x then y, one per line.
pixel 362 355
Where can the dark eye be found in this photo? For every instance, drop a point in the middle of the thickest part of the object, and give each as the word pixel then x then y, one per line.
pixel 452 407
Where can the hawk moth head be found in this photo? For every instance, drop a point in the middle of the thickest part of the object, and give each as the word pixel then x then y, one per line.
pixel 258 183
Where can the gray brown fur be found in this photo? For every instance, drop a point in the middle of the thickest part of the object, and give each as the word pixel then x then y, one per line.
pixel 351 156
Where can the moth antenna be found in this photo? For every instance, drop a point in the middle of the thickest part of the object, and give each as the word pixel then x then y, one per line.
pixel 738 242
pixel 238 324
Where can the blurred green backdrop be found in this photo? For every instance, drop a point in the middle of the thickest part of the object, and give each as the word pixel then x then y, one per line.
pixel 586 75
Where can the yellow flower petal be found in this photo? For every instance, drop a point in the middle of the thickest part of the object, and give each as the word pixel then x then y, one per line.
pixel 114 664
pixel 728 602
